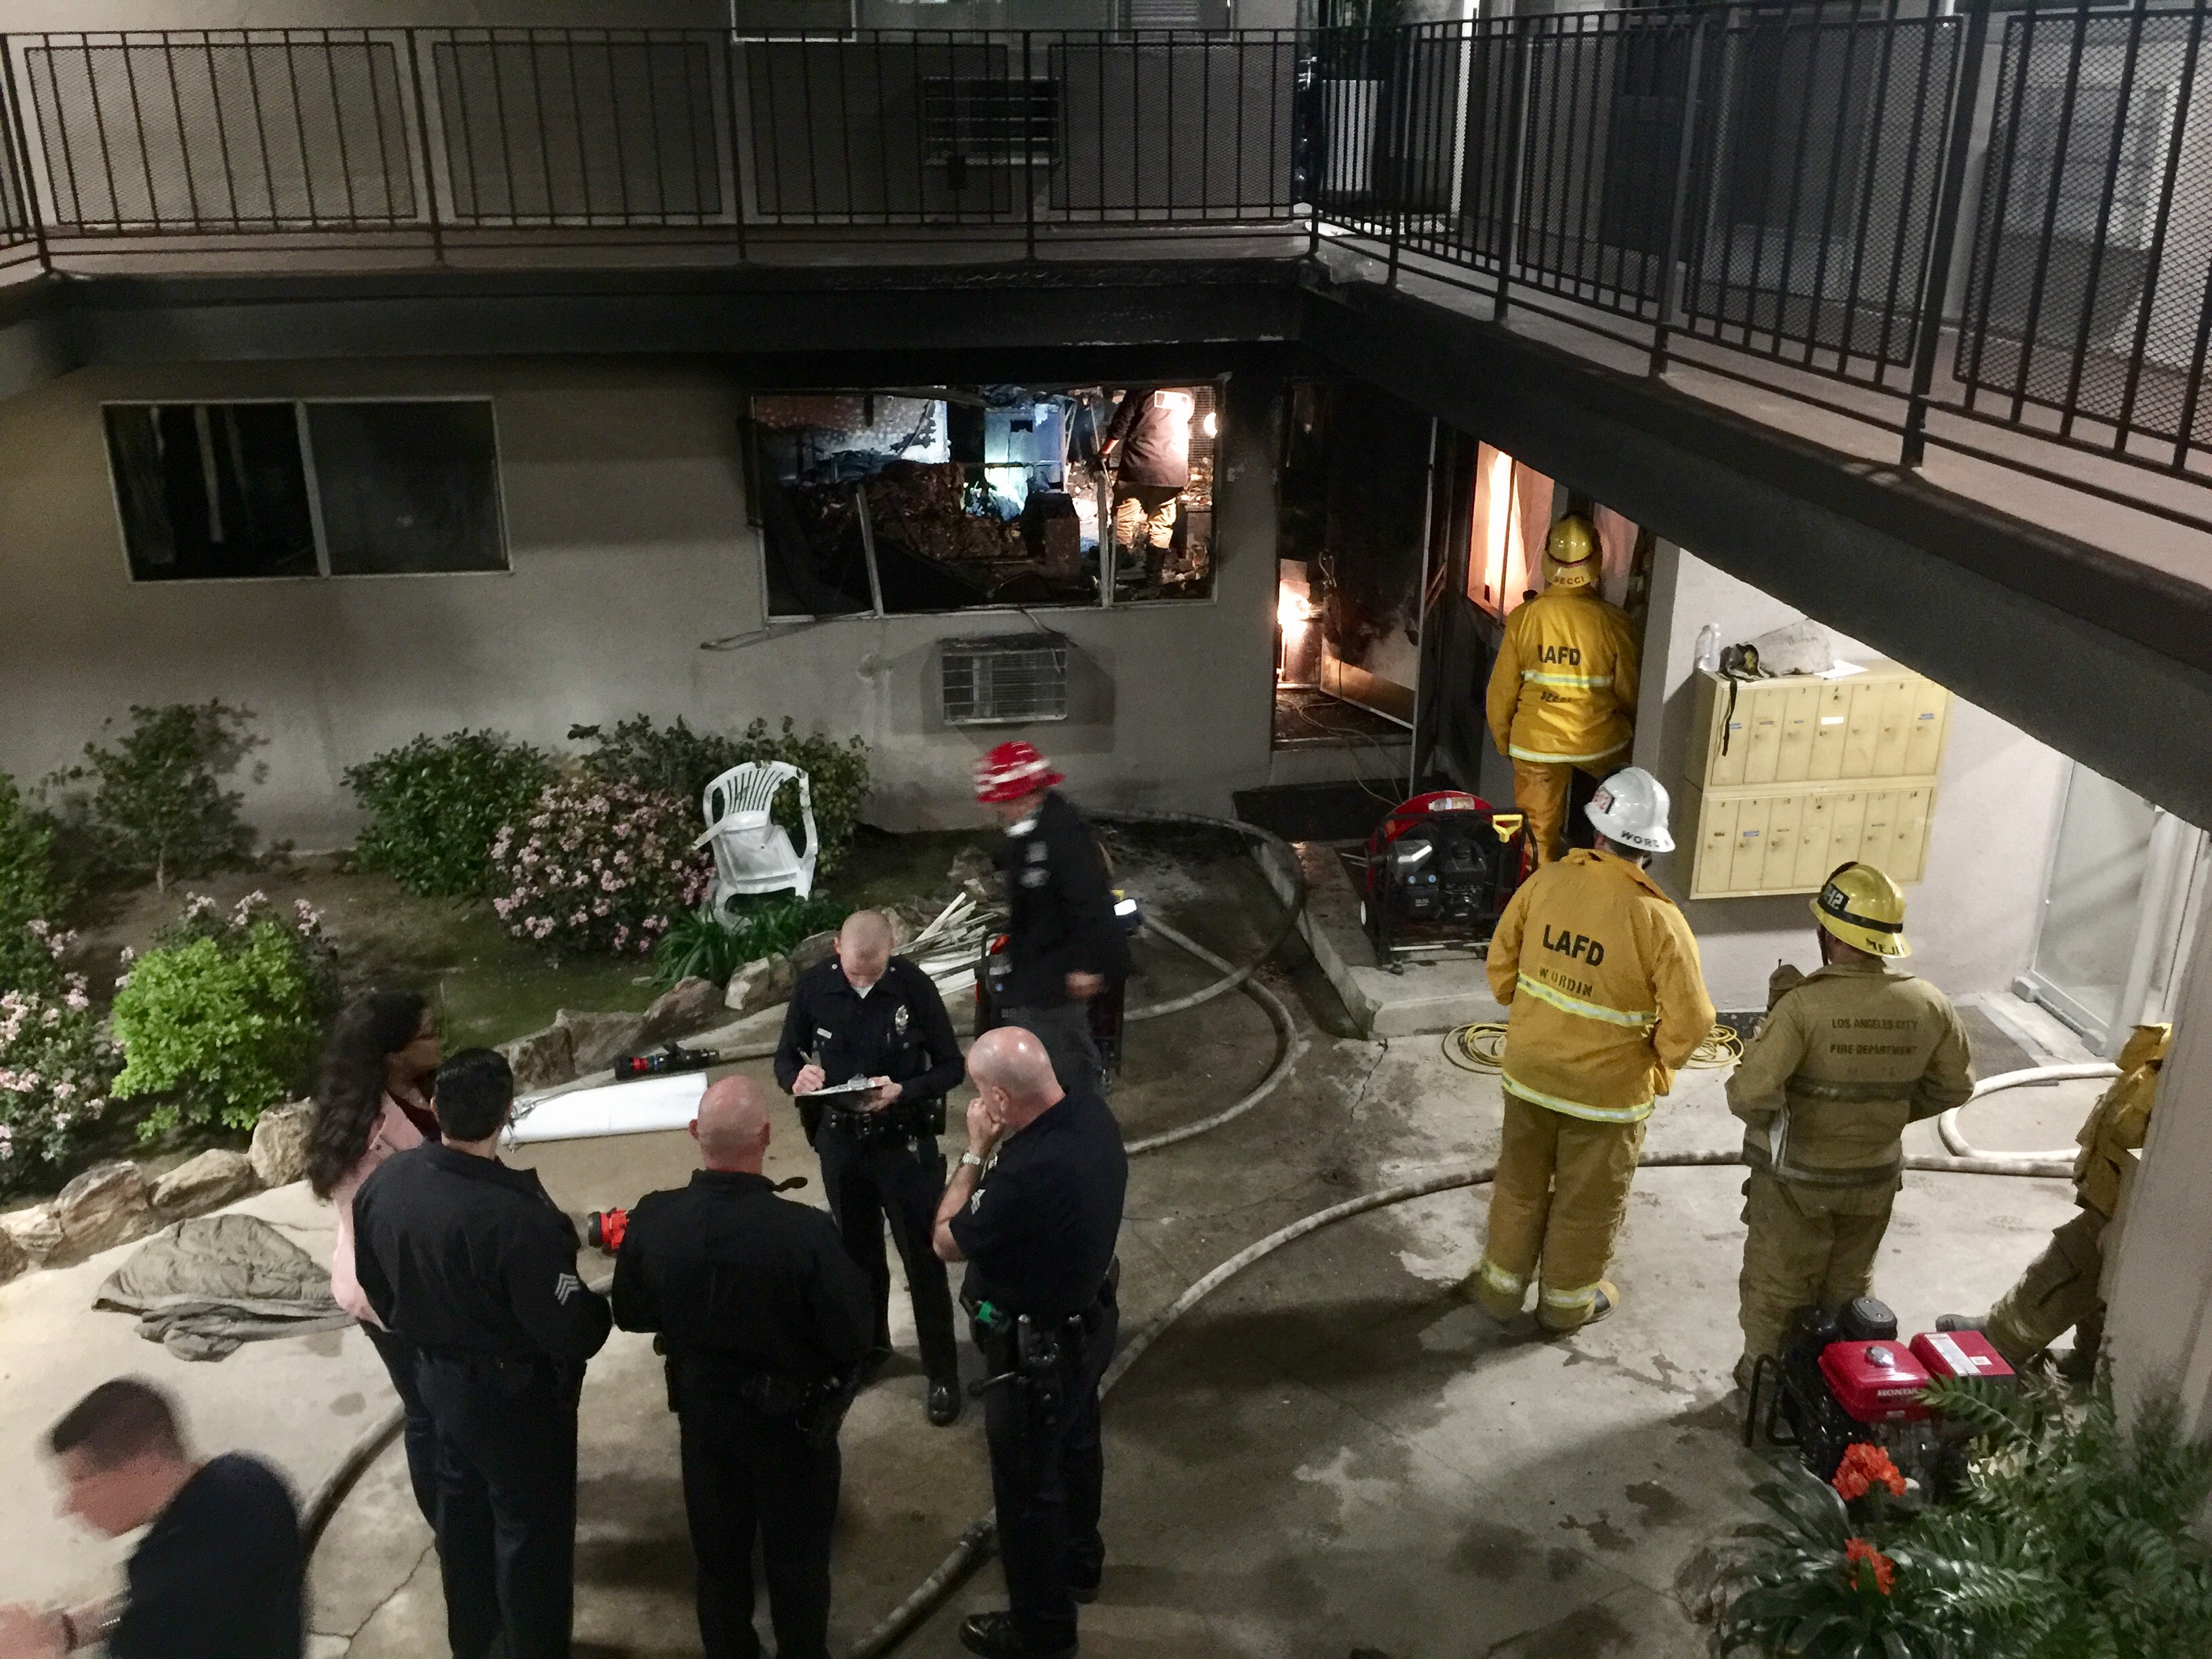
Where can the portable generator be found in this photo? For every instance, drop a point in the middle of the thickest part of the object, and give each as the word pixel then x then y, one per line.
pixel 1845 1378
pixel 1440 869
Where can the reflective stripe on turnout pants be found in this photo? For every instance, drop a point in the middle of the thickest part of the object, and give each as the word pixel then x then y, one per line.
pixel 1805 1245
pixel 1558 1200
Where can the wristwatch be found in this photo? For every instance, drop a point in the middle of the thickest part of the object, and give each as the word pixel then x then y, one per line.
pixel 971 1158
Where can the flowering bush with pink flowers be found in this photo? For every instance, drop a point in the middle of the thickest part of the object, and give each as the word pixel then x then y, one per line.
pixel 56 1067
pixel 598 866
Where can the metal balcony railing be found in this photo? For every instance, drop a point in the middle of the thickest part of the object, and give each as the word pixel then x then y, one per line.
pixel 1986 222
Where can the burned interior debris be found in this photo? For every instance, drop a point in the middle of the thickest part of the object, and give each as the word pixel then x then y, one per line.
pixel 905 501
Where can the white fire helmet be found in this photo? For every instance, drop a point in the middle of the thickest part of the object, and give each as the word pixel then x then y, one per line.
pixel 1630 809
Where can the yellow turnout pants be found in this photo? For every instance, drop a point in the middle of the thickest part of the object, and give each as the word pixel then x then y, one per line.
pixel 1560 1197
pixel 2057 1293
pixel 1805 1246
pixel 1542 789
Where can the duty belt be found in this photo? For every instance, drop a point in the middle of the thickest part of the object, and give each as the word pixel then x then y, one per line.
pixel 913 1119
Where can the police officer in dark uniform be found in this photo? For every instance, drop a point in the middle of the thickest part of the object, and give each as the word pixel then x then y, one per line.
pixel 869 1015
pixel 471 1262
pixel 765 1319
pixel 1035 1210
pixel 1065 946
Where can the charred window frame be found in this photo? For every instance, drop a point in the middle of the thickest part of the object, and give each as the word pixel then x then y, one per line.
pixel 949 499
pixel 266 489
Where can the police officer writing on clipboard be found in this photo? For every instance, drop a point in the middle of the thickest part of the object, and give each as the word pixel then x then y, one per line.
pixel 764 1319
pixel 1064 943
pixel 866 1016
pixel 1034 1209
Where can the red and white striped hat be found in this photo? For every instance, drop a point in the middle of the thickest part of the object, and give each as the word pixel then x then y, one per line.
pixel 1012 771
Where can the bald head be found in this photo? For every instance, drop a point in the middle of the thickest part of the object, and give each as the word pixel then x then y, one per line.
pixel 1014 1075
pixel 864 947
pixel 731 1128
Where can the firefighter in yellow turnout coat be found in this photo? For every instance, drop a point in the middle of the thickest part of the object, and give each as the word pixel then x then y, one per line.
pixel 1849 1056
pixel 2059 1291
pixel 1563 691
pixel 1607 999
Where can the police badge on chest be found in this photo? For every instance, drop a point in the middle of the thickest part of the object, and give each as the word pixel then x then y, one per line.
pixel 899 1019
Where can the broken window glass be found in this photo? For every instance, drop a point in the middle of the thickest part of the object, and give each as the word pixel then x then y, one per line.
pixel 210 490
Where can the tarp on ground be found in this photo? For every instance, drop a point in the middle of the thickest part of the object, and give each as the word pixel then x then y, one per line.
pixel 208 1284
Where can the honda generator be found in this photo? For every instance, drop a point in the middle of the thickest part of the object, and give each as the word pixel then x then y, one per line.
pixel 1440 869
pixel 1845 1378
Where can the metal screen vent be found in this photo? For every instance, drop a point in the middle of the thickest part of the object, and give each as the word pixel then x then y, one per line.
pixel 989 120
pixel 1012 680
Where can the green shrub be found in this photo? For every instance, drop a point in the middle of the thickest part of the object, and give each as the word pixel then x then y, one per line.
pixel 703 945
pixel 221 1017
pixel 435 805
pixel 2072 1537
pixel 30 892
pixel 682 762
pixel 154 803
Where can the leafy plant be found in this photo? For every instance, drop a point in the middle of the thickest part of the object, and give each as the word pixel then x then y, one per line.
pixel 702 944
pixel 682 762
pixel 56 1067
pixel 221 1017
pixel 30 895
pixel 2072 1540
pixel 156 804
pixel 434 805
pixel 598 866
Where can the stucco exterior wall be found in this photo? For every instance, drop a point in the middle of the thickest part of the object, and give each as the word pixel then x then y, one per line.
pixel 1972 917
pixel 625 507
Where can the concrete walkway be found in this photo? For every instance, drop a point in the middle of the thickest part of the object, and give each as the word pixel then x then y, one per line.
pixel 1334 1456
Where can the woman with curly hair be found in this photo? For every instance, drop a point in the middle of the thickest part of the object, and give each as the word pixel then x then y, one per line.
pixel 372 1100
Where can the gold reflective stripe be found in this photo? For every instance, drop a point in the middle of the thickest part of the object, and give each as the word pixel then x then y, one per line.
pixel 1518 753
pixel 1635 1114
pixel 1531 676
pixel 1498 1280
pixel 1567 1004
pixel 1582 1296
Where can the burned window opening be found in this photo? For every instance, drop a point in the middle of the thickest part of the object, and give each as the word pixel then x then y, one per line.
pixel 914 500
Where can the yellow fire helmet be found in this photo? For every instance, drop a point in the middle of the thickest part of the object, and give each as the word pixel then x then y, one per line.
pixel 1862 907
pixel 1572 557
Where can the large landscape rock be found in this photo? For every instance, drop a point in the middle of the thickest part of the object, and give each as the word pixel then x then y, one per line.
pixel 34 1231
pixel 691 1005
pixel 109 1204
pixel 542 1059
pixel 204 1183
pixel 814 948
pixel 759 984
pixel 599 1038
pixel 14 1259
pixel 279 1154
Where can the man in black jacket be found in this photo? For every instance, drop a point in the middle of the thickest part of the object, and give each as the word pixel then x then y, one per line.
pixel 866 1016
pixel 472 1263
pixel 1148 445
pixel 764 1319
pixel 1065 945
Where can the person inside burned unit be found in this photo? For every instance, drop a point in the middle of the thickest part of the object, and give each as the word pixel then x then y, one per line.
pixel 1148 445
pixel 217 1573
pixel 870 1017
pixel 764 1319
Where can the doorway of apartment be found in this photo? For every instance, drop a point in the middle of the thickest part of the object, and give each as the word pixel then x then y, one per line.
pixel 2119 905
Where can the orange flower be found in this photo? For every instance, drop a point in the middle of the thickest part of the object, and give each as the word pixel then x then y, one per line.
pixel 1858 1552
pixel 1864 1467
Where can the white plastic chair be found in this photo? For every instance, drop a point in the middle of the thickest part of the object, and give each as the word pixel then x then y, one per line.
pixel 752 852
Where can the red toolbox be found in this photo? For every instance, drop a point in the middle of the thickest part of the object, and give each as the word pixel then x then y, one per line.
pixel 1876 1381
pixel 1947 1354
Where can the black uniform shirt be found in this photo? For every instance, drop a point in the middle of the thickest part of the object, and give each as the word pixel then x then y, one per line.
pixel 900 1031
pixel 724 1266
pixel 1039 1231
pixel 462 1255
pixel 1061 910
pixel 217 1574
pixel 1152 424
